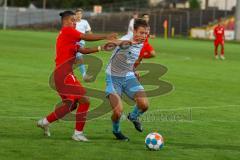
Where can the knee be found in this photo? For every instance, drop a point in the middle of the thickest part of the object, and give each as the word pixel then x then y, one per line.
pixel 84 100
pixel 143 104
pixel 117 112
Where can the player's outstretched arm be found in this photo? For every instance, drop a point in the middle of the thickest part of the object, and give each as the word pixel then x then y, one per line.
pixel 93 49
pixel 89 50
pixel 96 37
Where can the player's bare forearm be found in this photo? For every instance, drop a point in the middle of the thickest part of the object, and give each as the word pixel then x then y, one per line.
pixel 89 50
pixel 96 37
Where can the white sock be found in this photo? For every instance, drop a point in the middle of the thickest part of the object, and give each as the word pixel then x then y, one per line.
pixel 45 121
pixel 78 132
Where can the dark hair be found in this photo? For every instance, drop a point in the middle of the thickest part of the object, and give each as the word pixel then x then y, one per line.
pixel 79 10
pixel 139 23
pixel 66 14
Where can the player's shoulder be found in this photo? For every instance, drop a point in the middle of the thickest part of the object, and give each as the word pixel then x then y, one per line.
pixel 67 29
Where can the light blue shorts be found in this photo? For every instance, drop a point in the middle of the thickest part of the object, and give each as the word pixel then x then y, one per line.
pixel 128 85
pixel 81 44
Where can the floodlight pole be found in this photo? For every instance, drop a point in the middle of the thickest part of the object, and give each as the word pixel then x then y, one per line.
pixel 5 15
pixel 237 21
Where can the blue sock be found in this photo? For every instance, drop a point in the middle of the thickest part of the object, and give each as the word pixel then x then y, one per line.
pixel 82 69
pixel 135 113
pixel 116 126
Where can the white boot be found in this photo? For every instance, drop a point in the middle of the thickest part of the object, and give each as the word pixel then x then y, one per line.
pixel 79 137
pixel 45 127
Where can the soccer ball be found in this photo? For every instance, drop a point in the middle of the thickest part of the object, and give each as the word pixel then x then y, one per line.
pixel 154 141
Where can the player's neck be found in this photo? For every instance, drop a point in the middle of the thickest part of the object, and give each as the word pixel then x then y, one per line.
pixel 66 25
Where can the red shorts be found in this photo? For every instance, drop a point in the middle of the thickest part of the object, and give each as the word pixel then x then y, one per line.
pixel 71 89
pixel 218 41
pixel 146 50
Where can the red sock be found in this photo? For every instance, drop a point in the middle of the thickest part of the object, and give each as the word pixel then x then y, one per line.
pixel 216 51
pixel 81 116
pixel 60 112
pixel 222 51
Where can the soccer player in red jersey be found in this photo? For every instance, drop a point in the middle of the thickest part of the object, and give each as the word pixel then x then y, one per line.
pixel 68 87
pixel 147 50
pixel 219 40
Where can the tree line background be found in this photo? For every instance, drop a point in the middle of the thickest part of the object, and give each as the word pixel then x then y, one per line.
pixel 80 3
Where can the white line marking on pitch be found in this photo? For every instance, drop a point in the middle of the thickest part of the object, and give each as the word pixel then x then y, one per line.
pixel 174 109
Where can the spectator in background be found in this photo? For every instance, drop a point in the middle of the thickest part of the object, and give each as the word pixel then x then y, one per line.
pixel 82 26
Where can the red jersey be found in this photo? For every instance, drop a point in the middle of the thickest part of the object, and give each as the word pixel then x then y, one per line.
pixel 66 46
pixel 65 82
pixel 219 33
pixel 147 48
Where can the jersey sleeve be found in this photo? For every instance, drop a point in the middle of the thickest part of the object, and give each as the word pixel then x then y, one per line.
pixel 72 32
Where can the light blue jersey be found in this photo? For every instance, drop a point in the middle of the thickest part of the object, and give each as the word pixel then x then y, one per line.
pixel 120 76
pixel 122 61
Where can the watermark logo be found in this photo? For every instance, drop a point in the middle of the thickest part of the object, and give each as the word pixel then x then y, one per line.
pixel 65 83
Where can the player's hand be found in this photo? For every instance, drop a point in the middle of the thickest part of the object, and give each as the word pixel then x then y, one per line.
pixel 125 44
pixel 111 36
pixel 109 46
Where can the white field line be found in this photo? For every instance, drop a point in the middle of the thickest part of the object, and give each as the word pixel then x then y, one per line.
pixel 154 111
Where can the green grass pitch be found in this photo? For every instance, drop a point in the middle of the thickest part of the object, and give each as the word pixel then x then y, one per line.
pixel 206 89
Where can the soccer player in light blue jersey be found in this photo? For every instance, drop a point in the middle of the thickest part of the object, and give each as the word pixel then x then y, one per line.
pixel 121 78
pixel 82 26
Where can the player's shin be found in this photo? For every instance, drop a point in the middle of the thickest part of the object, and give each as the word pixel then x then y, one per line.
pixel 116 126
pixel 136 112
pixel 66 107
pixel 81 116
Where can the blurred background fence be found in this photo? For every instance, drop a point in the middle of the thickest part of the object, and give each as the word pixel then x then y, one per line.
pixel 181 19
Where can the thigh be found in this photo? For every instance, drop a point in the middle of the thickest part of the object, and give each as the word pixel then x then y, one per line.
pixel 72 89
pixel 113 86
pixel 132 87
pixel 115 102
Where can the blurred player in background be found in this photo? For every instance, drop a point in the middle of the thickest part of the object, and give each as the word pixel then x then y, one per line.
pixel 82 26
pixel 219 40
pixel 147 50
pixel 68 87
pixel 122 78
pixel 131 22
